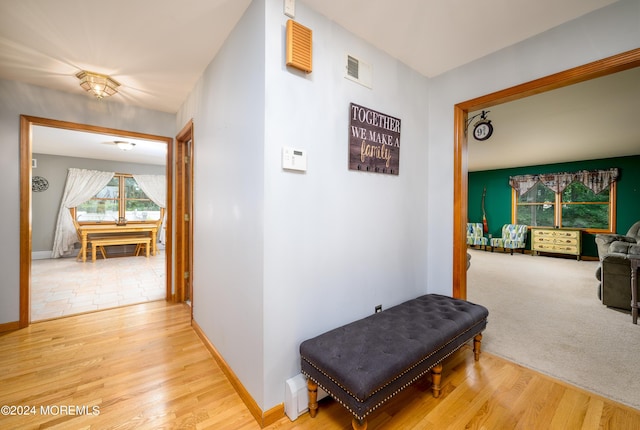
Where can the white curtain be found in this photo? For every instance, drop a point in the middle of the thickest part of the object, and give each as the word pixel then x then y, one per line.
pixel 81 186
pixel 155 187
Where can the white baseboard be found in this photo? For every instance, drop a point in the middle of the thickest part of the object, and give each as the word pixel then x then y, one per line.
pixel 41 255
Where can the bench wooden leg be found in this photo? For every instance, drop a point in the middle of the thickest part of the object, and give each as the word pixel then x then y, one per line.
pixel 142 246
pixel 436 377
pixel 312 387
pixel 359 425
pixel 477 346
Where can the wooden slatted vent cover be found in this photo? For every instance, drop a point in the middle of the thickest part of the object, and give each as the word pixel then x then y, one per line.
pixel 299 46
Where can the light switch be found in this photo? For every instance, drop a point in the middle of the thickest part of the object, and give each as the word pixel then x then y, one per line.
pixel 290 8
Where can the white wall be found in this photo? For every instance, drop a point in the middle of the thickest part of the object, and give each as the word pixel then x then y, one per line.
pixel 337 242
pixel 227 107
pixel 605 32
pixel 281 256
pixel 16 99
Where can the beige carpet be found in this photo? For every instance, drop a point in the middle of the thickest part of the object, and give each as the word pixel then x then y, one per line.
pixel 545 315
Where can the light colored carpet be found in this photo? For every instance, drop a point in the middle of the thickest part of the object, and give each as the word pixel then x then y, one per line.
pixel 544 314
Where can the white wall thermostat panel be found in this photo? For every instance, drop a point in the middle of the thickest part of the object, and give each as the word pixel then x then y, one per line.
pixel 294 159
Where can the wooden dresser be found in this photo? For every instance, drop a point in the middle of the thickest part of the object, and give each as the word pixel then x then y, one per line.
pixel 556 240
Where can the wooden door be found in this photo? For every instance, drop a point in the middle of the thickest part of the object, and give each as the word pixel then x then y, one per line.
pixel 184 216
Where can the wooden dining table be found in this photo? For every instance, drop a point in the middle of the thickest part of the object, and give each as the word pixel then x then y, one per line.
pixel 115 230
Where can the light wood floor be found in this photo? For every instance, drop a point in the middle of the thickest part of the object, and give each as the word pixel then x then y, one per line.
pixel 144 367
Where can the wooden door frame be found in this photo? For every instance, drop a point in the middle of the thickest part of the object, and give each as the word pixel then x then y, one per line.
pixel 26 124
pixel 616 63
pixel 184 230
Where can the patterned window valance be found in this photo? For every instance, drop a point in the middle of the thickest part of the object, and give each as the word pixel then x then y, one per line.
pixel 595 180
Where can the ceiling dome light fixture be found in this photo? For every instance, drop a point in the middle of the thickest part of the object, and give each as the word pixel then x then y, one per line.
pixel 125 146
pixel 99 85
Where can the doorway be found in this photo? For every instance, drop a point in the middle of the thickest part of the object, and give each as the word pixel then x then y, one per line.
pixel 27 125
pixel 606 66
pixel 184 217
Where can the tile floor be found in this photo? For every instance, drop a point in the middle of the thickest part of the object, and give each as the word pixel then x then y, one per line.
pixel 64 286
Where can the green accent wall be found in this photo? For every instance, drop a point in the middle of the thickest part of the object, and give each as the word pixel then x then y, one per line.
pixel 498 199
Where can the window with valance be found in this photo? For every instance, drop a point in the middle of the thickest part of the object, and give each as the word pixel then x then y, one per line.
pixel 583 199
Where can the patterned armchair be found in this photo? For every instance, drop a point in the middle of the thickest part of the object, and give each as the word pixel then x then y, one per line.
pixel 514 236
pixel 475 235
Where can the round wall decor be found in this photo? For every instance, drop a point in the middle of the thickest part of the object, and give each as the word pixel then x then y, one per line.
pixel 482 130
pixel 38 183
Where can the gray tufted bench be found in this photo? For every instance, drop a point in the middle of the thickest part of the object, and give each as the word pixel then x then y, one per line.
pixel 366 362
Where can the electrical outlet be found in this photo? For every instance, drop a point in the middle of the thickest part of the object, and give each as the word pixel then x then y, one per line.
pixel 378 308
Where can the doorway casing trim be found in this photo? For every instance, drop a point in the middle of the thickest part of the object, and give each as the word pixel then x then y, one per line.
pixel 26 123
pixel 184 206
pixel 606 66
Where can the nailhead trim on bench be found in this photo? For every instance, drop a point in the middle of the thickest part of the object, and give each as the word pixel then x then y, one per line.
pixel 319 367
pixel 388 383
pixel 404 372
pixel 377 405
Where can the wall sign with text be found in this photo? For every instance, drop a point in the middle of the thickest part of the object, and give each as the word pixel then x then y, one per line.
pixel 374 141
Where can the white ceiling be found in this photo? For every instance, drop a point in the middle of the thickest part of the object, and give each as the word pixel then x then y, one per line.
pixel 434 36
pixel 586 121
pixel 157 49
pixel 82 144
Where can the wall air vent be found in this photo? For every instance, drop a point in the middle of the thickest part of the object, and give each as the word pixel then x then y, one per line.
pixel 358 71
pixel 299 46
pixel 353 67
